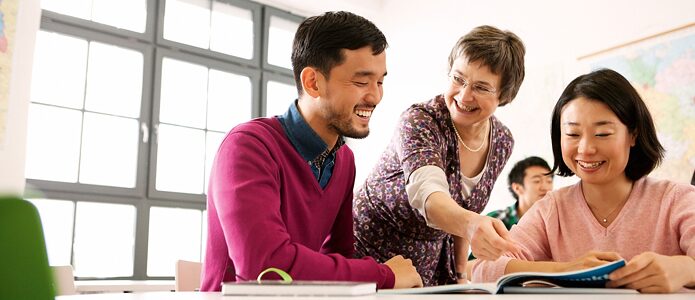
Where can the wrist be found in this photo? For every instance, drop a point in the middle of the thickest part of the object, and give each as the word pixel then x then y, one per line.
pixel 469 221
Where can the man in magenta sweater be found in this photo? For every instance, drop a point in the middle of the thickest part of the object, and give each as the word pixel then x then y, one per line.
pixel 280 192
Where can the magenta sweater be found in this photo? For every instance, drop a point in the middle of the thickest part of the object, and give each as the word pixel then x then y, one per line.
pixel 266 209
pixel 659 216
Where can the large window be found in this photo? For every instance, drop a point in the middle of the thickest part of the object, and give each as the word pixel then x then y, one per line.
pixel 130 101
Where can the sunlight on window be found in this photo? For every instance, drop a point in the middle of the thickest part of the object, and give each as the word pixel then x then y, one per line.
pixel 109 150
pixel 104 240
pixel 204 231
pixel 229 100
pixel 184 93
pixel 175 233
pixel 53 143
pixel 114 80
pixel 280 36
pixel 76 8
pixel 280 96
pixel 188 22
pixel 231 30
pixel 180 159
pixel 127 14
pixel 60 67
pixel 56 220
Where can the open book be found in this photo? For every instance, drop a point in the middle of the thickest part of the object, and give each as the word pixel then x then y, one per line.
pixel 298 288
pixel 589 281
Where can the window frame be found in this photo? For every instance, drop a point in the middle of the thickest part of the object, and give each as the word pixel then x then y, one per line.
pixel 143 119
pixel 269 12
pixel 254 75
pixel 154 47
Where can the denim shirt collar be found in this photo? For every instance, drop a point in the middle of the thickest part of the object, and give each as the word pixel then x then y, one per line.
pixel 309 145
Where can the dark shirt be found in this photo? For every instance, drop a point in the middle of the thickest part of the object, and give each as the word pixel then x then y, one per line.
pixel 309 145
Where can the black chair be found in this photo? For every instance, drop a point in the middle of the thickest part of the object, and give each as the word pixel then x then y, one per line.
pixel 24 271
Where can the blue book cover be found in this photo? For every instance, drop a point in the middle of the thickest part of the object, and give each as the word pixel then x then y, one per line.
pixel 586 281
pixel 595 277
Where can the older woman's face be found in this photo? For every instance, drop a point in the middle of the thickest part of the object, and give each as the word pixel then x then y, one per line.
pixel 595 143
pixel 472 95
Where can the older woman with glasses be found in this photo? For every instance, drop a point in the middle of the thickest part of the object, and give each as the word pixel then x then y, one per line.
pixel 424 197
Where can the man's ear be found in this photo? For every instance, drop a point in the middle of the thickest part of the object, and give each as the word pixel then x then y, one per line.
pixel 517 188
pixel 311 81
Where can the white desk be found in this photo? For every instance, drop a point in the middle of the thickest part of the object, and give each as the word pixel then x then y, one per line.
pixel 123 286
pixel 218 296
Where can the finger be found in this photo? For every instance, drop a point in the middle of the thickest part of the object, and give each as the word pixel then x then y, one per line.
pixel 606 256
pixel 419 282
pixel 649 284
pixel 653 290
pixel 484 251
pixel 509 244
pixel 636 264
pixel 492 236
pixel 630 279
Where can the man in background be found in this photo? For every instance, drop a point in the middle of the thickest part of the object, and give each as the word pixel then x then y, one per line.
pixel 528 181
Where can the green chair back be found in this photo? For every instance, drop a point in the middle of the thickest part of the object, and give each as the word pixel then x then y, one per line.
pixel 24 271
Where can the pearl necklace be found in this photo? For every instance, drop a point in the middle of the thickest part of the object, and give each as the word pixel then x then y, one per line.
pixel 464 144
pixel 605 219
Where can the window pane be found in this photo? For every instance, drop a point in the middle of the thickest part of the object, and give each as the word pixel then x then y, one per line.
pixel 184 93
pixel 56 220
pixel 231 30
pixel 60 64
pixel 126 14
pixel 174 234
pixel 280 36
pixel 214 139
pixel 229 100
pixel 180 159
pixel 279 97
pixel 109 150
pixel 53 143
pixel 188 22
pixel 204 234
pixel 76 8
pixel 114 80
pixel 104 240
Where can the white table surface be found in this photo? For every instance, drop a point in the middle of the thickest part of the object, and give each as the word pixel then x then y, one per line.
pixel 120 286
pixel 218 296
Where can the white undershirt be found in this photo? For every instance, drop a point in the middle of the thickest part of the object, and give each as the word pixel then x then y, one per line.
pixel 429 179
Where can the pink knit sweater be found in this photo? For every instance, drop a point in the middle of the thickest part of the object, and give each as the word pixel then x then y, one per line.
pixel 658 216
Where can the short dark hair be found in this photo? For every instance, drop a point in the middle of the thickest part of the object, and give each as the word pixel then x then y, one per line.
pixel 611 88
pixel 320 40
pixel 518 172
pixel 501 51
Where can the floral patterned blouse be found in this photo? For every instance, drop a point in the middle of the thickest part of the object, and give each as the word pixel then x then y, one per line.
pixel 384 221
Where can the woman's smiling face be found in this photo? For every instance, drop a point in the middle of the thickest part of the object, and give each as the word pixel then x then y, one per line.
pixel 595 143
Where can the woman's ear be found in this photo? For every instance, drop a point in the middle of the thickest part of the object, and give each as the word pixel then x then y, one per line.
pixel 633 138
pixel 311 81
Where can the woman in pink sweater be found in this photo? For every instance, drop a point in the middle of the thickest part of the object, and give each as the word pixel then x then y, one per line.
pixel 602 132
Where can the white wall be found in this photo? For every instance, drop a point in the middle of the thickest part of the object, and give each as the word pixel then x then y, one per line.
pixel 421 34
pixel 556 33
pixel 12 151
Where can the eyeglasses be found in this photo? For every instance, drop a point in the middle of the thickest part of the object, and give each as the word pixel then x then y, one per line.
pixel 478 89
